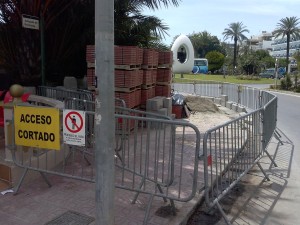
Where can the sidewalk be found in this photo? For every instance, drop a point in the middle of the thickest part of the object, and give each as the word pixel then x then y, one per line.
pixel 38 204
pixel 255 200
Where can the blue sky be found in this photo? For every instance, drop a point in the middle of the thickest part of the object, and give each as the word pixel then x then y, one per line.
pixel 214 16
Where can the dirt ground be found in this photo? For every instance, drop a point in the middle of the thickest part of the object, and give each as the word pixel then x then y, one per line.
pixel 205 114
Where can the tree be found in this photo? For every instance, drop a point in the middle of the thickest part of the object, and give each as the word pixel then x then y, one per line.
pixel 235 32
pixel 215 60
pixel 69 27
pixel 133 28
pixel 288 27
pixel 65 34
pixel 248 60
pixel 204 42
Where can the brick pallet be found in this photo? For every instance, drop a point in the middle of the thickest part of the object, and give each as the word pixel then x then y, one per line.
pixel 138 73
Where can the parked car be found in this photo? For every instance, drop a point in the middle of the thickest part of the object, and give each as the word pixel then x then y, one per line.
pixel 270 73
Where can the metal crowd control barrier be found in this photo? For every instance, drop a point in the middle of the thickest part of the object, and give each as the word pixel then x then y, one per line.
pixel 242 95
pixel 232 149
pixel 154 155
pixel 61 93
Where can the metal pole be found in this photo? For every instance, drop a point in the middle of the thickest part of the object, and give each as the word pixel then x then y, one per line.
pixel 104 112
pixel 276 72
pixel 42 27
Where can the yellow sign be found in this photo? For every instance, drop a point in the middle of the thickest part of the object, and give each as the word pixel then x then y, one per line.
pixel 37 127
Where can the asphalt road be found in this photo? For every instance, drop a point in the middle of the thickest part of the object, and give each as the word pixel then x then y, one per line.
pixel 256 201
pixel 274 202
pixel 286 211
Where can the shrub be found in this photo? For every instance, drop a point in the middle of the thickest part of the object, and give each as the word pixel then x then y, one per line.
pixel 245 77
pixel 286 83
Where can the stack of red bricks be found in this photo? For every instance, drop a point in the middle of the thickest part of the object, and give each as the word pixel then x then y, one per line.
pixel 149 66
pixel 128 74
pixel 140 74
pixel 164 74
pixel 90 59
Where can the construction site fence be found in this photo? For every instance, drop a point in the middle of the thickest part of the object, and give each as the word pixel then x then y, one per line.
pixel 248 97
pixel 231 149
pixel 160 156
pixel 154 155
pixel 62 93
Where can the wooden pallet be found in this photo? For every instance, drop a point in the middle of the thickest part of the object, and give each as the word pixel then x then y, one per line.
pixel 147 86
pixel 128 67
pixel 127 89
pixel 164 66
pixel 149 67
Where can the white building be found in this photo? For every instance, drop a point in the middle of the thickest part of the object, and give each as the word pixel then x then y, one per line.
pixel 276 47
pixel 279 47
pixel 263 41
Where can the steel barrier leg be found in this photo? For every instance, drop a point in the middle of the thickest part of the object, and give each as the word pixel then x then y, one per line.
pixel 272 160
pixel 16 189
pixel 137 194
pixel 148 210
pixel 262 170
pixel 278 136
pixel 46 179
pixel 140 187
pixel 223 213
pixel 20 181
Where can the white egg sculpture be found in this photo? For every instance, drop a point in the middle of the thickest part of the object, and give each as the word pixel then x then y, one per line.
pixel 183 55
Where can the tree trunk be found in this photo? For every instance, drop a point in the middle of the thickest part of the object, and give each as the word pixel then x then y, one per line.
pixel 234 52
pixel 287 51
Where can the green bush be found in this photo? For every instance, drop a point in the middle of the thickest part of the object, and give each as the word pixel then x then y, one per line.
pixel 286 83
pixel 245 77
pixel 289 82
pixel 296 82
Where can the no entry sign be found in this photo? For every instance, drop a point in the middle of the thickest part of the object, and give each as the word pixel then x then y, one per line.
pixel 74 127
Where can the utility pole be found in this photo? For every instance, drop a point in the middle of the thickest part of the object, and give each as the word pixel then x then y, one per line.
pixel 104 112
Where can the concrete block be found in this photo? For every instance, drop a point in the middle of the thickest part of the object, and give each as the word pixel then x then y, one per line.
pixel 217 101
pixel 228 105
pixel 167 103
pixel 241 109
pixel 157 103
pixel 224 98
pixel 163 111
pixel 149 104
pixel 209 98
pixel 234 107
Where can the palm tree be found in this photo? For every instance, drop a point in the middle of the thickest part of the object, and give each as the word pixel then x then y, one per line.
pixel 133 28
pixel 204 42
pixel 235 32
pixel 288 27
pixel 69 27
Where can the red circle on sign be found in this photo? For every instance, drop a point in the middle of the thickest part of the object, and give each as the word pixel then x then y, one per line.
pixel 78 128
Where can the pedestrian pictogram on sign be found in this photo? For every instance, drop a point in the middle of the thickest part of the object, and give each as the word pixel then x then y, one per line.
pixel 74 127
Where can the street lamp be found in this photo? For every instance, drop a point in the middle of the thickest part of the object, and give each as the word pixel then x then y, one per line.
pixel 276 72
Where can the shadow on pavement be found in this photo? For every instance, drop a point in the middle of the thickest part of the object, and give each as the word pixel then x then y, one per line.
pixel 252 200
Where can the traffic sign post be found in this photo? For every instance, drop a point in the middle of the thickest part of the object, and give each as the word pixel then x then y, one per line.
pixel 74 127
